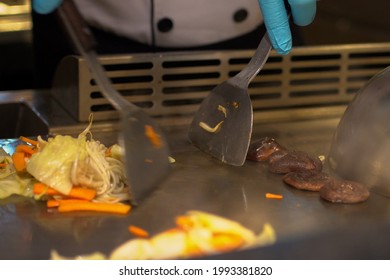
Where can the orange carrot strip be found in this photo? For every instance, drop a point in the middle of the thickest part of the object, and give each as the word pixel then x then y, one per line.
pixel 51 203
pixel 3 164
pixel 153 137
pixel 71 200
pixel 137 231
pixel 82 193
pixel 19 161
pixel 28 140
pixel 273 196
pixel 27 149
pixel 113 208
pixel 108 152
pixel 40 188
pixel 184 222
pixel 225 242
pixel 75 192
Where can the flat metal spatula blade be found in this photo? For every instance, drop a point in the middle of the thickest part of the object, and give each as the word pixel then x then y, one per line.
pixel 146 150
pixel 146 154
pixel 222 126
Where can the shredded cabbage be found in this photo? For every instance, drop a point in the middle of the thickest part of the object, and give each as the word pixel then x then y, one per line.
pixel 64 161
pixel 52 165
pixel 9 168
pixel 10 182
pixel 117 152
pixel 13 184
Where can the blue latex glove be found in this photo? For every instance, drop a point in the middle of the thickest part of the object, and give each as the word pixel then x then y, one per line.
pixel 45 6
pixel 276 20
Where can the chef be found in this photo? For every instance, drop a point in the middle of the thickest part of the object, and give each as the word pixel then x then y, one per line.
pixel 125 26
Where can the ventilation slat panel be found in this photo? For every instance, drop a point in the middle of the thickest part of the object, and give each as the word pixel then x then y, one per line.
pixel 173 84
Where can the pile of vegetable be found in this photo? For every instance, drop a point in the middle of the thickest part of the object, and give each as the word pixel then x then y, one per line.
pixel 69 173
pixel 196 234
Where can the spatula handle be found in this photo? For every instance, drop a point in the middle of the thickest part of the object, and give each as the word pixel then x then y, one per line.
pixel 257 61
pixel 76 27
pixel 246 75
pixel 84 42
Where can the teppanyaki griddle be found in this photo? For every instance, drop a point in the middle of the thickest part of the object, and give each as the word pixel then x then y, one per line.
pixel 306 226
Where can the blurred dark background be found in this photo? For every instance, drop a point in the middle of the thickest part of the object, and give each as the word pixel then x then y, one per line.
pixel 337 22
pixel 349 21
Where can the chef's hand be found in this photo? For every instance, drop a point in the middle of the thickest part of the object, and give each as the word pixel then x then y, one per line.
pixel 276 20
pixel 45 6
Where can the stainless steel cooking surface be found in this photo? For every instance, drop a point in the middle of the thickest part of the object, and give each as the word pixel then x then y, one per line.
pixel 29 231
pixel 306 226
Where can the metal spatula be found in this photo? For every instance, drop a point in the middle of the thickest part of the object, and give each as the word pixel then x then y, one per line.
pixel 360 149
pixel 222 126
pixel 146 149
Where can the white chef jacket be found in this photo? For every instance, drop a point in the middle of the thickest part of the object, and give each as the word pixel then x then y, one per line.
pixel 173 23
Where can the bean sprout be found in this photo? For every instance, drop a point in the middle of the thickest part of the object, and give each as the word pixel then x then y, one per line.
pixel 103 173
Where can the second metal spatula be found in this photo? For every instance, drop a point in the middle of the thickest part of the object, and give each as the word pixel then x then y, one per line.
pixel 146 150
pixel 222 127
